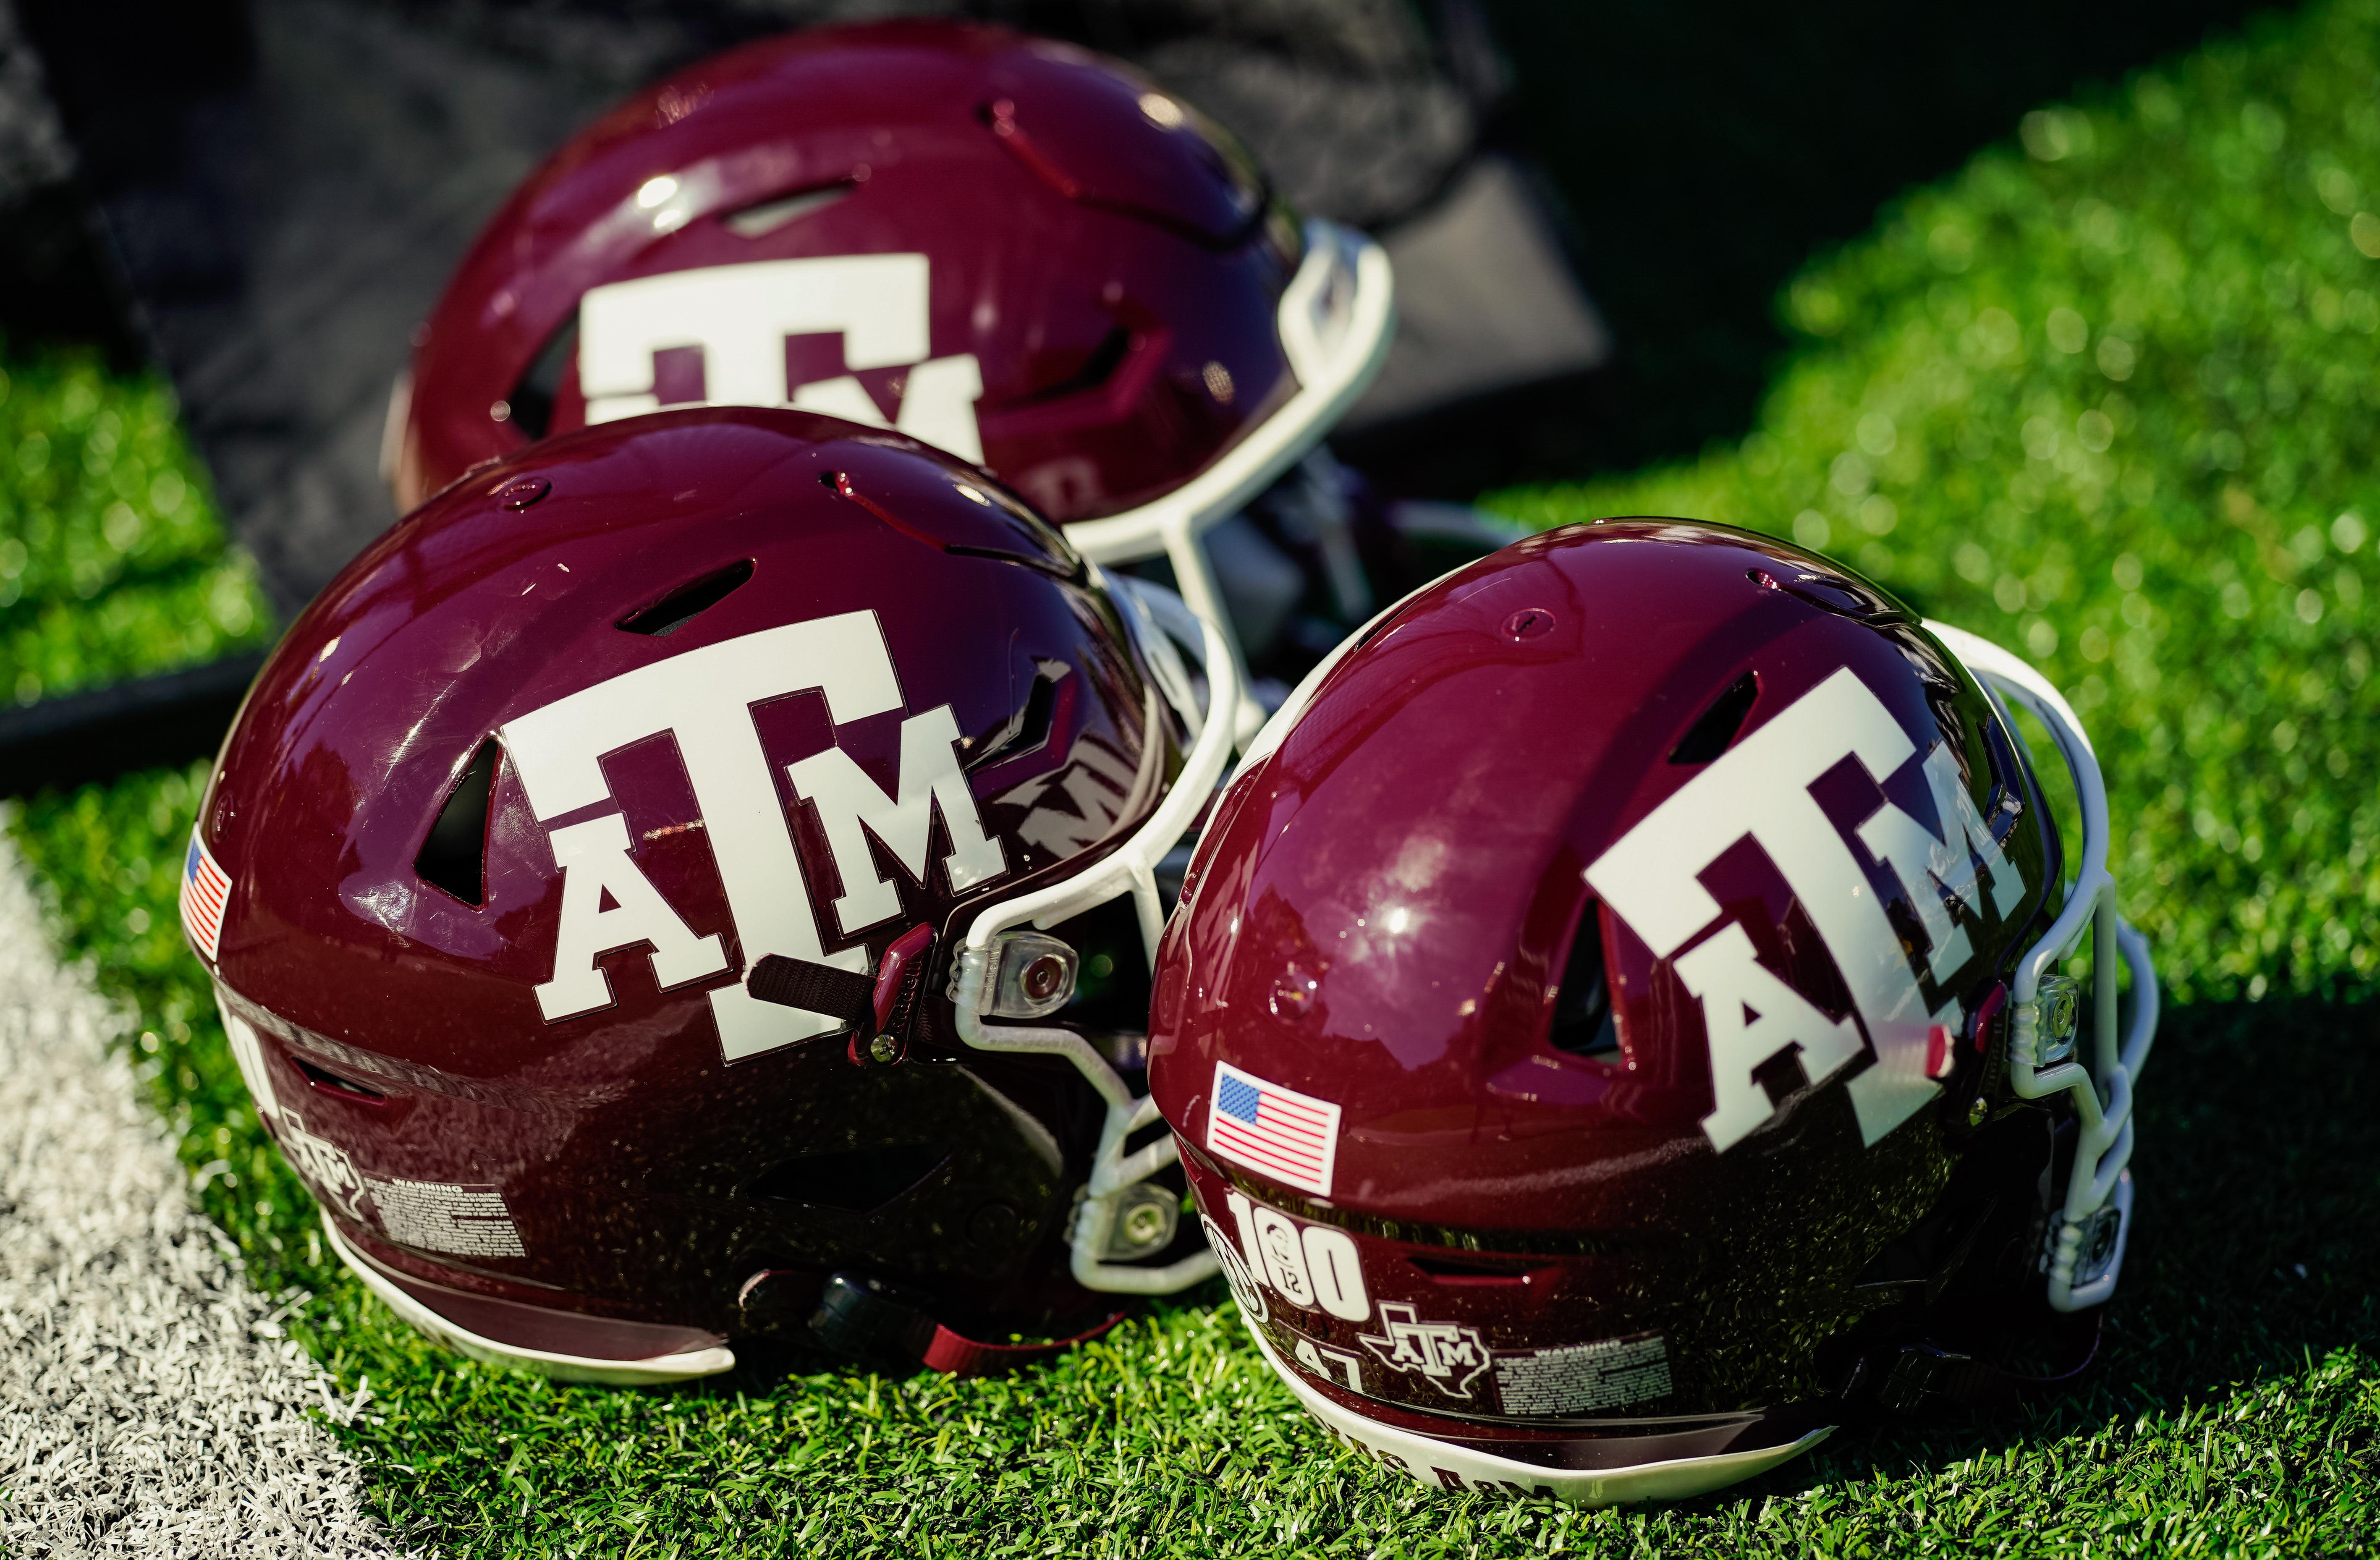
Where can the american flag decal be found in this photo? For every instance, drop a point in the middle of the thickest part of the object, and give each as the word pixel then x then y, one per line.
pixel 205 890
pixel 1289 1136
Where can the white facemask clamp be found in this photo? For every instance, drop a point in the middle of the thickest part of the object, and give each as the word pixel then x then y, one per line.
pixel 1159 622
pixel 1336 318
pixel 2088 1244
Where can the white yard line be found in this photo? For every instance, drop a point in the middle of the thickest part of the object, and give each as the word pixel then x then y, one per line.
pixel 147 1404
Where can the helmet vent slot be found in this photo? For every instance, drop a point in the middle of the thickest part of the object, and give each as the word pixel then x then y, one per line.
pixel 326 1082
pixel 530 407
pixel 687 602
pixel 758 222
pixel 1583 1024
pixel 1482 1275
pixel 1097 368
pixel 858 1182
pixel 455 857
pixel 1715 732
pixel 1028 730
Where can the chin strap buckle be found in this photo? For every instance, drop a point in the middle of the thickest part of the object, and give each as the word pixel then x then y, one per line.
pixel 1922 1372
pixel 875 1009
pixel 1919 1376
pixel 864 1318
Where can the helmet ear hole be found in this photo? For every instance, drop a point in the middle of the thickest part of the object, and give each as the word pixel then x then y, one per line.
pixel 453 857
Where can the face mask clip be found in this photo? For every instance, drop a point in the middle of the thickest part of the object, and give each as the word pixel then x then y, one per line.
pixel 1021 975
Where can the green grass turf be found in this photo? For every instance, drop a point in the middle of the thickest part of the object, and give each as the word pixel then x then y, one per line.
pixel 1706 149
pixel 2109 395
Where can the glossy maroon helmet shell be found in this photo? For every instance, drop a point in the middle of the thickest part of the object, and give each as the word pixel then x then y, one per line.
pixel 1116 278
pixel 646 1174
pixel 1380 916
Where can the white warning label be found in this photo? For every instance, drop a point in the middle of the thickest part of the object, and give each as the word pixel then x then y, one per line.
pixel 464 1221
pixel 1585 1376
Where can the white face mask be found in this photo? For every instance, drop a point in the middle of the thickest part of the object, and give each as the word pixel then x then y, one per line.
pixel 2087 1248
pixel 992 977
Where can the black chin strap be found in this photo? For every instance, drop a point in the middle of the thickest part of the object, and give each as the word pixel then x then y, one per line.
pixel 814 988
pixel 878 1003
pixel 1917 1376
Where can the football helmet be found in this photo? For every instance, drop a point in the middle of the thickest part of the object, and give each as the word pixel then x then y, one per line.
pixel 1008 247
pixel 1615 1028
pixel 618 882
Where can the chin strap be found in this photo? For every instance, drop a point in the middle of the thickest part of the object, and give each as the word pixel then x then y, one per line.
pixel 1918 1376
pixel 954 1355
pixel 875 1009
pixel 868 1319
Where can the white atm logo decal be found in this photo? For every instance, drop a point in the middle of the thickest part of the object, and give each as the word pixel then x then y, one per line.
pixel 739 316
pixel 1761 788
pixel 704 700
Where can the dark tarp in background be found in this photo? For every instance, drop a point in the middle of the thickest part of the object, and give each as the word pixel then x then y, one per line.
pixel 284 185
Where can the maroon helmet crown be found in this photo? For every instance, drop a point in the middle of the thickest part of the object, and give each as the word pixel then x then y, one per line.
pixel 1010 249
pixel 1602 1023
pixel 592 858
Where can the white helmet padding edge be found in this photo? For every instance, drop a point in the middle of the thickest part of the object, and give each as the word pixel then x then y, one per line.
pixel 445 1331
pixel 1446 1465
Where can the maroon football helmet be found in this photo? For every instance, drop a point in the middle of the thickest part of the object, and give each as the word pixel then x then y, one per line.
pixel 1613 1026
pixel 1011 248
pixel 615 882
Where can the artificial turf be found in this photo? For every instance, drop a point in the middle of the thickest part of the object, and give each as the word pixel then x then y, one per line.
pixel 2108 394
